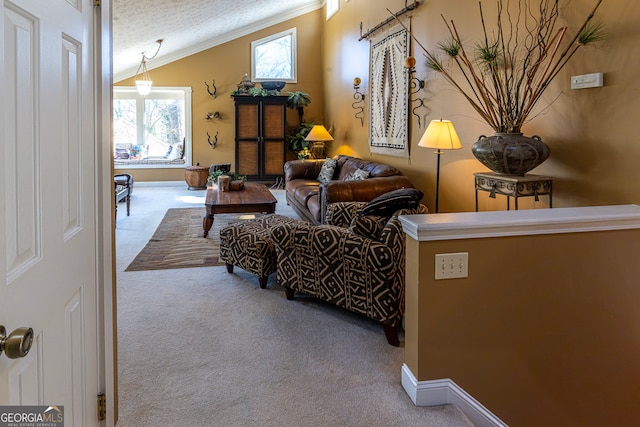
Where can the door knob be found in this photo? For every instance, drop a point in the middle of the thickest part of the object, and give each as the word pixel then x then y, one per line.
pixel 17 343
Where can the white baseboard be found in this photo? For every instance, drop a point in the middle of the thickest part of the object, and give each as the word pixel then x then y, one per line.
pixel 445 392
pixel 159 184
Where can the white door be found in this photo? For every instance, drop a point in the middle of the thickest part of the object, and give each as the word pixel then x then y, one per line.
pixel 49 264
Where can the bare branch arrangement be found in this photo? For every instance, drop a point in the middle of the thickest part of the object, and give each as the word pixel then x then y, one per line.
pixel 507 71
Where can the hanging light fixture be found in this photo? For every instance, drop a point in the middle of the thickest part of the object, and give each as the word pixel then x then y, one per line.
pixel 142 79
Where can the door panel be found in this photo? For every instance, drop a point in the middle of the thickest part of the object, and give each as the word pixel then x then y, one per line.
pixel 48 255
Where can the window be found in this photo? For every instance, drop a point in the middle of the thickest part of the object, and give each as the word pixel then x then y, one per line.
pixel 274 57
pixel 332 7
pixel 152 131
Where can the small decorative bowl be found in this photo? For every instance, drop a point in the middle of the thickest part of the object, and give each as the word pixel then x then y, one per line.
pixel 273 85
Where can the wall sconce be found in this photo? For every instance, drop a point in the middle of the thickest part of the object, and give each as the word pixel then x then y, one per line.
pixel 143 83
pixel 215 140
pixel 358 104
pixel 415 86
pixel 215 89
pixel 210 116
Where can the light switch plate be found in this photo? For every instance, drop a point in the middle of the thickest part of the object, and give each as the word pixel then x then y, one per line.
pixel 452 266
pixel 587 80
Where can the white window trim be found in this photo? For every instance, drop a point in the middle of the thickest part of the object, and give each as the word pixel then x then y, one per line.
pixel 294 55
pixel 188 146
pixel 333 6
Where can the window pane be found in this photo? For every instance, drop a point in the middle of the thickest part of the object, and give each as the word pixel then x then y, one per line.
pixel 163 125
pixel 273 59
pixel 332 7
pixel 125 133
pixel 153 130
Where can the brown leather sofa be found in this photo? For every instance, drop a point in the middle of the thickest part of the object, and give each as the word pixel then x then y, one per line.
pixel 310 198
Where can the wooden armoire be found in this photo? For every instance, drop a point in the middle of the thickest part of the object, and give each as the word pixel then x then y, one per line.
pixel 260 137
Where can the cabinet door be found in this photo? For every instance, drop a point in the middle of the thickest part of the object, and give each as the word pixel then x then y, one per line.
pixel 273 139
pixel 248 138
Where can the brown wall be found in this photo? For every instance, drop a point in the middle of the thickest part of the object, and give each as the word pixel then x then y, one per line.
pixel 544 332
pixel 227 64
pixel 594 149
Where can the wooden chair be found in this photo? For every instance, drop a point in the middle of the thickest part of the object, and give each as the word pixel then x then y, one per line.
pixel 123 187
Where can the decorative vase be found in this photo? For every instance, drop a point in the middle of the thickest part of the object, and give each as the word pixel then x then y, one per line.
pixel 223 183
pixel 510 153
pixel 196 177
pixel 236 185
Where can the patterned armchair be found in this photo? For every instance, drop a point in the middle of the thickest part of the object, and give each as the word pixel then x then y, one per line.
pixel 360 268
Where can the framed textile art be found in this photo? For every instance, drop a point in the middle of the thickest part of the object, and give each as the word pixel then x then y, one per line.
pixel 389 88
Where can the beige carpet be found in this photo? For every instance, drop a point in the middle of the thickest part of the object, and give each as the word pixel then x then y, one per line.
pixel 201 347
pixel 178 241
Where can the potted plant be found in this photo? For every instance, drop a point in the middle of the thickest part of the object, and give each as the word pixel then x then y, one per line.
pixel 298 101
pixel 505 73
pixel 236 182
pixel 296 137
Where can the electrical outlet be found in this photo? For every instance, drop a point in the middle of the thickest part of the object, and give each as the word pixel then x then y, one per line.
pixel 452 266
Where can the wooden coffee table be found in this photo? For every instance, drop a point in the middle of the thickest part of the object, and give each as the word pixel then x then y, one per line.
pixel 254 198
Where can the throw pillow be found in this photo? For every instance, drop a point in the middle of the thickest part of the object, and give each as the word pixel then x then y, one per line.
pixel 173 153
pixel 358 175
pixel 368 226
pixel 388 203
pixel 326 172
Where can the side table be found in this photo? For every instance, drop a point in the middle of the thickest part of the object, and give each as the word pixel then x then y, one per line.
pixel 513 186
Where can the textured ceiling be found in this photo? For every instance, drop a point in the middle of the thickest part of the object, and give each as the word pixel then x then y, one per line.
pixel 189 26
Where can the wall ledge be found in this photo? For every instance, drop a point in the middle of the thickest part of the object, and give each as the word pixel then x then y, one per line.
pixel 473 225
pixel 445 392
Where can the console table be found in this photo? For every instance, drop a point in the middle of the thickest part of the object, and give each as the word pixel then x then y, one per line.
pixel 513 186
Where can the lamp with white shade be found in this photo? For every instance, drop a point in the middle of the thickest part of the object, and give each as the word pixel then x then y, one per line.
pixel 441 135
pixel 318 136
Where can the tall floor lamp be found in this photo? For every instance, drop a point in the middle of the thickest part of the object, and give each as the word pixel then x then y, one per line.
pixel 441 135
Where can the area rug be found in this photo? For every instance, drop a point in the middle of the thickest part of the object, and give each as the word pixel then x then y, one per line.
pixel 178 241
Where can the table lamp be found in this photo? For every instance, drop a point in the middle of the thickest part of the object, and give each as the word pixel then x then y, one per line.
pixel 317 137
pixel 441 135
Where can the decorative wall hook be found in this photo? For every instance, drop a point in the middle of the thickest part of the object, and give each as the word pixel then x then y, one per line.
pixel 215 140
pixel 215 89
pixel 415 86
pixel 358 104
pixel 210 116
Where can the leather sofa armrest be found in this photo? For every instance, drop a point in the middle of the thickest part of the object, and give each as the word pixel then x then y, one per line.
pixel 302 169
pixel 358 190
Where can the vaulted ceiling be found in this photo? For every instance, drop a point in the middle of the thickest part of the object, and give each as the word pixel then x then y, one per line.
pixel 189 26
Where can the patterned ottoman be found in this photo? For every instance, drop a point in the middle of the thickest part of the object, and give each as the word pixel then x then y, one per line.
pixel 247 245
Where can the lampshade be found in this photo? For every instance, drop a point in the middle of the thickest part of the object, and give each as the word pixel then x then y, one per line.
pixel 319 133
pixel 143 80
pixel 442 135
pixel 143 87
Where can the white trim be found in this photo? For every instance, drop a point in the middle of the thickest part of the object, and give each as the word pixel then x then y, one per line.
pixel 446 392
pixel 159 184
pixel 105 255
pixel 474 225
